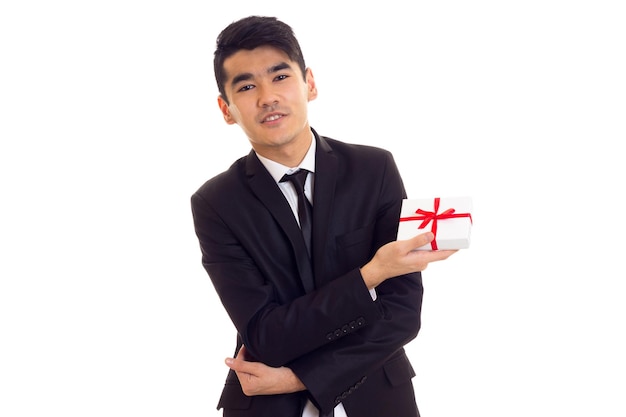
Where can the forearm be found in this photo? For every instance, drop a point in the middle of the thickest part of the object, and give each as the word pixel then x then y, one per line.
pixel 311 321
pixel 257 378
pixel 332 369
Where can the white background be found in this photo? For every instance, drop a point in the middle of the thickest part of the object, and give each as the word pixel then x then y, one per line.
pixel 109 122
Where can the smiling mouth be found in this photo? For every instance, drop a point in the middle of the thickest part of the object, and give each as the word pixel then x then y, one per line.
pixel 272 118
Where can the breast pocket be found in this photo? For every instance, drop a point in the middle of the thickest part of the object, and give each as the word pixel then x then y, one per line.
pixel 354 248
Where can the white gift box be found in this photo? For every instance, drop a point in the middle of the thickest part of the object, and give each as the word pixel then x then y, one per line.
pixel 448 217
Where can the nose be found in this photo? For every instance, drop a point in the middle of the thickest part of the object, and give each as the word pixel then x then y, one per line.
pixel 267 96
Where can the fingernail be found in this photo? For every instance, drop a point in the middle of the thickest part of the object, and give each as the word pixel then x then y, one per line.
pixel 229 361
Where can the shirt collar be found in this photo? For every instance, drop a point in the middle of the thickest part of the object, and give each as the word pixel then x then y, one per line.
pixel 277 170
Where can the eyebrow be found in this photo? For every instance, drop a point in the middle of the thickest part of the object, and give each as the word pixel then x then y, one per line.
pixel 247 75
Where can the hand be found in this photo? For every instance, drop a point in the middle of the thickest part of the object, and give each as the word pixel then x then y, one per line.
pixel 256 378
pixel 399 258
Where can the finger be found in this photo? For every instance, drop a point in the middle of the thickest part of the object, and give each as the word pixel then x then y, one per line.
pixel 237 364
pixel 242 352
pixel 440 255
pixel 420 240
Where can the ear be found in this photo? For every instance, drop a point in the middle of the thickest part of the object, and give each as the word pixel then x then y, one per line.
pixel 225 109
pixel 311 87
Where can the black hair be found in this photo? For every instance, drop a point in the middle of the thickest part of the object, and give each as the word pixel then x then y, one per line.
pixel 250 33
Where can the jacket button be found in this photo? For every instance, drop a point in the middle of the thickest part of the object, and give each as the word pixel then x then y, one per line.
pixel 360 321
pixel 345 329
pixel 330 336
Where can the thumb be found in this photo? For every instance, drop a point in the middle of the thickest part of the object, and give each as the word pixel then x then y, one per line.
pixel 235 364
pixel 241 366
pixel 421 240
pixel 243 353
pixel 239 357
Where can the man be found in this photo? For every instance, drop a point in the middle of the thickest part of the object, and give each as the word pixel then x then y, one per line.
pixel 320 330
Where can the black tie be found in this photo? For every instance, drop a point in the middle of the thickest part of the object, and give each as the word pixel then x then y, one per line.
pixel 305 214
pixel 304 206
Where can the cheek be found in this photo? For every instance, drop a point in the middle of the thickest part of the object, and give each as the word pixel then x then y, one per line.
pixel 300 98
pixel 236 112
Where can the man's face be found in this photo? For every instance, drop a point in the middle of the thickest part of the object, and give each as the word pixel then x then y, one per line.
pixel 268 99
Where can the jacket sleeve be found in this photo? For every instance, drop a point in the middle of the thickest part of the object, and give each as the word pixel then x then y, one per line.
pixel 334 371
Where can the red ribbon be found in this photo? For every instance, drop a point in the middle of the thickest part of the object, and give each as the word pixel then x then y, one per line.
pixel 433 216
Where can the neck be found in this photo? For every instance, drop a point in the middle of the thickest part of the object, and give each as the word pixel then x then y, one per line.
pixel 291 154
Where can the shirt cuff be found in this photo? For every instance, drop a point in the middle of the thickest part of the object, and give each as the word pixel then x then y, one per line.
pixel 373 294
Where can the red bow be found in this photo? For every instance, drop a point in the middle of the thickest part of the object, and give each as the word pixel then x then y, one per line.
pixel 433 216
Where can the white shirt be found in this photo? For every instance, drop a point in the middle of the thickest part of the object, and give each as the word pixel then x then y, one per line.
pixel 277 171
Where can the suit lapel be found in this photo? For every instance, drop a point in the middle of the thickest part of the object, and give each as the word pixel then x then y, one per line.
pixel 264 187
pixel 326 167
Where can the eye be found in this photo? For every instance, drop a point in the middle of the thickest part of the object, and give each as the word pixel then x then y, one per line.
pixel 246 87
pixel 281 77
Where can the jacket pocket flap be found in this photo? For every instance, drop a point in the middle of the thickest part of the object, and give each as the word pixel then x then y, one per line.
pixel 399 370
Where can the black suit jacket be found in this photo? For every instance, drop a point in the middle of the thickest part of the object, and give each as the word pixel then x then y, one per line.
pixel 343 346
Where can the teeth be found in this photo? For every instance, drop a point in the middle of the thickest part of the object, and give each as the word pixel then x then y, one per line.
pixel 272 118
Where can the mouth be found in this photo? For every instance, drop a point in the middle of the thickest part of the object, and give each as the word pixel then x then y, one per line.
pixel 272 117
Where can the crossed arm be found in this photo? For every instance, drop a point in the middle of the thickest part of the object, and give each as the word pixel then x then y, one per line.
pixel 391 260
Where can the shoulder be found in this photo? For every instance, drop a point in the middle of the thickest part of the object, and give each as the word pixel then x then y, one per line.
pixel 351 156
pixel 347 148
pixel 223 182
